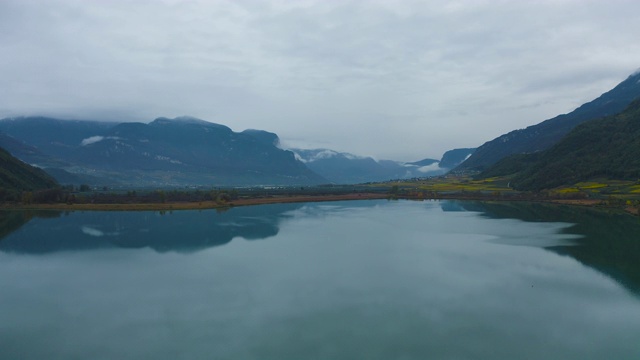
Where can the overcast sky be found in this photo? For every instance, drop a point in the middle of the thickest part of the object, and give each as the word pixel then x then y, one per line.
pixel 400 80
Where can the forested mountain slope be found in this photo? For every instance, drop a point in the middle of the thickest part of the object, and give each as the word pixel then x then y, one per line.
pixel 15 175
pixel 607 147
pixel 545 134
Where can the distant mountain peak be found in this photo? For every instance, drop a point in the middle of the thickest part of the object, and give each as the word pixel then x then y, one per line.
pixel 181 119
pixel 263 136
pixel 311 155
pixel 184 119
pixel 163 121
pixel 424 162
pixel 346 168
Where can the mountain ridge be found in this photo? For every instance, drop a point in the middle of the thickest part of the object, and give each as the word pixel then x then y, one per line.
pixel 608 147
pixel 164 152
pixel 543 135
pixel 347 168
pixel 15 176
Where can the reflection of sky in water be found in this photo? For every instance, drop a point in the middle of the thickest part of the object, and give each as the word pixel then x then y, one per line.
pixel 369 280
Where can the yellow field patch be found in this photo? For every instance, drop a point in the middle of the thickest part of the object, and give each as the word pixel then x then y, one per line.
pixel 566 190
pixel 590 185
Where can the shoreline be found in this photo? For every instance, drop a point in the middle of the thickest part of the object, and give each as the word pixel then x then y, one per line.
pixel 595 203
pixel 210 204
pixel 201 205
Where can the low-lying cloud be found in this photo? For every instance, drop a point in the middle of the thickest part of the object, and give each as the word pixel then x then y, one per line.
pixel 430 168
pixel 95 139
pixel 396 80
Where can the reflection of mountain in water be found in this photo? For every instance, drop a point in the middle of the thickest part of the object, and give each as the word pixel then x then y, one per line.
pixel 182 231
pixel 11 221
pixel 610 242
pixel 452 206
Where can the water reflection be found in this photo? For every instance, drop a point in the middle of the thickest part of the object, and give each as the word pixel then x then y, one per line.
pixel 608 241
pixel 181 231
pixel 374 280
pixel 11 221
pixel 605 241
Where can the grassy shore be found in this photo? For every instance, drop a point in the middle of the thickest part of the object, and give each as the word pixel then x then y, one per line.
pixel 624 195
pixel 200 205
pixel 203 205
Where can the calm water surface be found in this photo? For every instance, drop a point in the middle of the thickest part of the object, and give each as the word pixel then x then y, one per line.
pixel 345 280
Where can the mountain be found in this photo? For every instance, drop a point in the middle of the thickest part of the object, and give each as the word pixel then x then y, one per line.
pixel 455 157
pixel 165 152
pixel 607 147
pixel 15 175
pixel 26 152
pixel 264 137
pixel 48 138
pixel 346 168
pixel 424 162
pixel 547 133
pixel 65 177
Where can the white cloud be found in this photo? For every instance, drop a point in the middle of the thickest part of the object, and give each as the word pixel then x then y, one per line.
pixel 430 168
pixel 298 157
pixel 91 140
pixel 352 157
pixel 324 154
pixel 94 139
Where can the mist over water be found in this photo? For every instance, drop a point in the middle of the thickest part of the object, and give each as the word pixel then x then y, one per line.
pixel 345 280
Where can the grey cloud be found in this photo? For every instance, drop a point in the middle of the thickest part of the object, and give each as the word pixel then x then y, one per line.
pixel 403 79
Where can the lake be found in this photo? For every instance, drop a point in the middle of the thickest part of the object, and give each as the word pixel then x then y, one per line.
pixel 339 280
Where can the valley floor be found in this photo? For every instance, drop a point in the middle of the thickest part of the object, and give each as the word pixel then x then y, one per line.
pixel 605 194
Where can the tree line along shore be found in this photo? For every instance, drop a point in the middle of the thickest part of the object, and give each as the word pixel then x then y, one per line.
pixel 452 188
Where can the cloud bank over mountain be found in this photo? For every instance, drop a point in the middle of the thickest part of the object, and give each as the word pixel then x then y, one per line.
pixel 389 79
